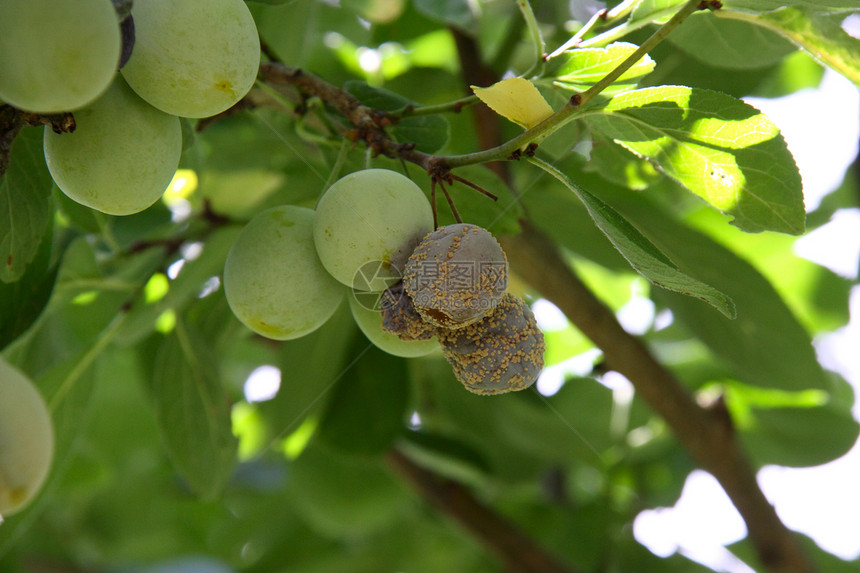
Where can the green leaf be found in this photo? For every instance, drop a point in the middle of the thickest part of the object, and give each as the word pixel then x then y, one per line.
pixel 720 148
pixel 436 49
pixel 251 161
pixel 796 72
pixel 654 9
pixel 368 408
pixel 345 494
pixel 287 28
pixel 594 526
pixel 428 132
pixel 764 346
pixel 22 301
pixel 188 284
pixel 572 424
pixel 579 69
pixel 25 194
pixel 444 455
pixel 68 387
pixel 79 217
pixel 374 11
pixel 193 411
pixel 640 252
pixel 84 302
pixel 816 295
pixel 818 33
pixel 457 13
pixel 799 437
pixel 620 166
pixel 446 408
pixel 805 428
pixel 768 5
pixel 648 260
pixel 310 368
pixel 563 344
pixel 732 44
pixel 565 219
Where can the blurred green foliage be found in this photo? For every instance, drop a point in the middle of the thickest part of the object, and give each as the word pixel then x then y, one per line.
pixel 147 390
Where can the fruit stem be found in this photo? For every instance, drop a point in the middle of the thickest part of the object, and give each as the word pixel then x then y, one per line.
pixel 477 188
pixel 433 202
pixel 450 203
pixel 13 120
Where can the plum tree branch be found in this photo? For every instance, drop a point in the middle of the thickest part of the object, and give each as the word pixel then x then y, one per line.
pixel 515 549
pixel 706 434
pixel 369 124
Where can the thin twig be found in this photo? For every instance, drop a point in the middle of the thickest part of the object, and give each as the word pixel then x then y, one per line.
pixel 576 39
pixel 576 103
pixel 369 124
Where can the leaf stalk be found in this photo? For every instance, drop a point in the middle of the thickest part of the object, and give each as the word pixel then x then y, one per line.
pixel 536 36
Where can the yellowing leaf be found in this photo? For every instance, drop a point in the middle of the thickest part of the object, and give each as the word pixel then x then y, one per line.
pixel 516 99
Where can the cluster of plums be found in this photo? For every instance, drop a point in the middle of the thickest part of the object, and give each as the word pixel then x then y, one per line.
pixel 411 288
pixel 189 58
pixel 454 288
pixel 185 58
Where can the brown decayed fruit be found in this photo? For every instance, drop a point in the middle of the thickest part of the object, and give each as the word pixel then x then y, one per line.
pixel 456 275
pixel 400 317
pixel 503 352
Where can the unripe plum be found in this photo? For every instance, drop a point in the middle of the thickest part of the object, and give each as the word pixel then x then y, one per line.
pixel 121 156
pixel 56 55
pixel 273 280
pixel 367 224
pixel 193 58
pixel 26 440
